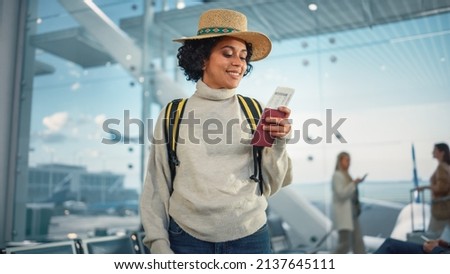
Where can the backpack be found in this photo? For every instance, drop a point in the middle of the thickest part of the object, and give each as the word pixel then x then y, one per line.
pixel 173 115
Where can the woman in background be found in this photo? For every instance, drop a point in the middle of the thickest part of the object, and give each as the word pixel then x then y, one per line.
pixel 346 208
pixel 440 191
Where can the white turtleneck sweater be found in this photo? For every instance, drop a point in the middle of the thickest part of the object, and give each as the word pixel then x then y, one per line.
pixel 213 197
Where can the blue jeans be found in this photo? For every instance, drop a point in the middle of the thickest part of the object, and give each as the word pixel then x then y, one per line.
pixel 183 243
pixel 393 246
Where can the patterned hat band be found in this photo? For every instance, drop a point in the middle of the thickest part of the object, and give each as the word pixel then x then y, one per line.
pixel 215 30
pixel 223 22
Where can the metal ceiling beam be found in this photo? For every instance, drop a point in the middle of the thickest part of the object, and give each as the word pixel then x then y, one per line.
pixel 121 47
pixel 115 41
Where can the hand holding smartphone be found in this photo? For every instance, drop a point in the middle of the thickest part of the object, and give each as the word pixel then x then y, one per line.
pixel 261 137
pixel 281 97
pixel 360 180
pixel 364 177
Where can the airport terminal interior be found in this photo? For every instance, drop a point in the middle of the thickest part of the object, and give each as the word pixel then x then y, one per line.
pixel 82 82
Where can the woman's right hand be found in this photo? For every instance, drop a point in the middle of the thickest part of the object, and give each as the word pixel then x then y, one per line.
pixel 428 246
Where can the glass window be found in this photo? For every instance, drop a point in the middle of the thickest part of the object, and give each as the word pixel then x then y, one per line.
pixel 77 85
pixel 384 85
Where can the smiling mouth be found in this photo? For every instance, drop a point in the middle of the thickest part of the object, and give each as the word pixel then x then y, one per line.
pixel 233 73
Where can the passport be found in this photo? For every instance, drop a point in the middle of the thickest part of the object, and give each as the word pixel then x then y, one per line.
pixel 280 97
pixel 262 138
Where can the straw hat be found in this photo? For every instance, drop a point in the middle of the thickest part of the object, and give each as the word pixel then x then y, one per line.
pixel 222 22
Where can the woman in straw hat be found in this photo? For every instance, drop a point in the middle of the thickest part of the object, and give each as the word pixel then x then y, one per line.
pixel 212 206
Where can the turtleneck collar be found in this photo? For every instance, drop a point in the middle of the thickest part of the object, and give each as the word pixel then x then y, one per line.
pixel 206 92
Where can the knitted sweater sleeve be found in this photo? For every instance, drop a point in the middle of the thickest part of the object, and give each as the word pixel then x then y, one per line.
pixel 276 167
pixel 154 203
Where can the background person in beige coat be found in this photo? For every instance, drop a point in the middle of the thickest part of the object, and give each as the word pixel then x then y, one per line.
pixel 440 190
pixel 346 207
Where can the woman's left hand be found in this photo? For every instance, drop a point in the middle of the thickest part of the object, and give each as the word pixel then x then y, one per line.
pixel 279 127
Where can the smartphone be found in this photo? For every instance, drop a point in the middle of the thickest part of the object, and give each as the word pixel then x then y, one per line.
pixel 425 238
pixel 364 177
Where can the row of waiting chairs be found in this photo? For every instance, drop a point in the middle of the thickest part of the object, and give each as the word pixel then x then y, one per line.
pixel 131 243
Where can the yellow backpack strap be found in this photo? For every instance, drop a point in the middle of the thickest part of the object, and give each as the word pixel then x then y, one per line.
pixel 172 120
pixel 252 110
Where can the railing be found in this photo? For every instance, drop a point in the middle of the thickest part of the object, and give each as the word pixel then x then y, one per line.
pixel 421 199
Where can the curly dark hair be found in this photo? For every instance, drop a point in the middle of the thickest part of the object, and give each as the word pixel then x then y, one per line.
pixel 193 53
